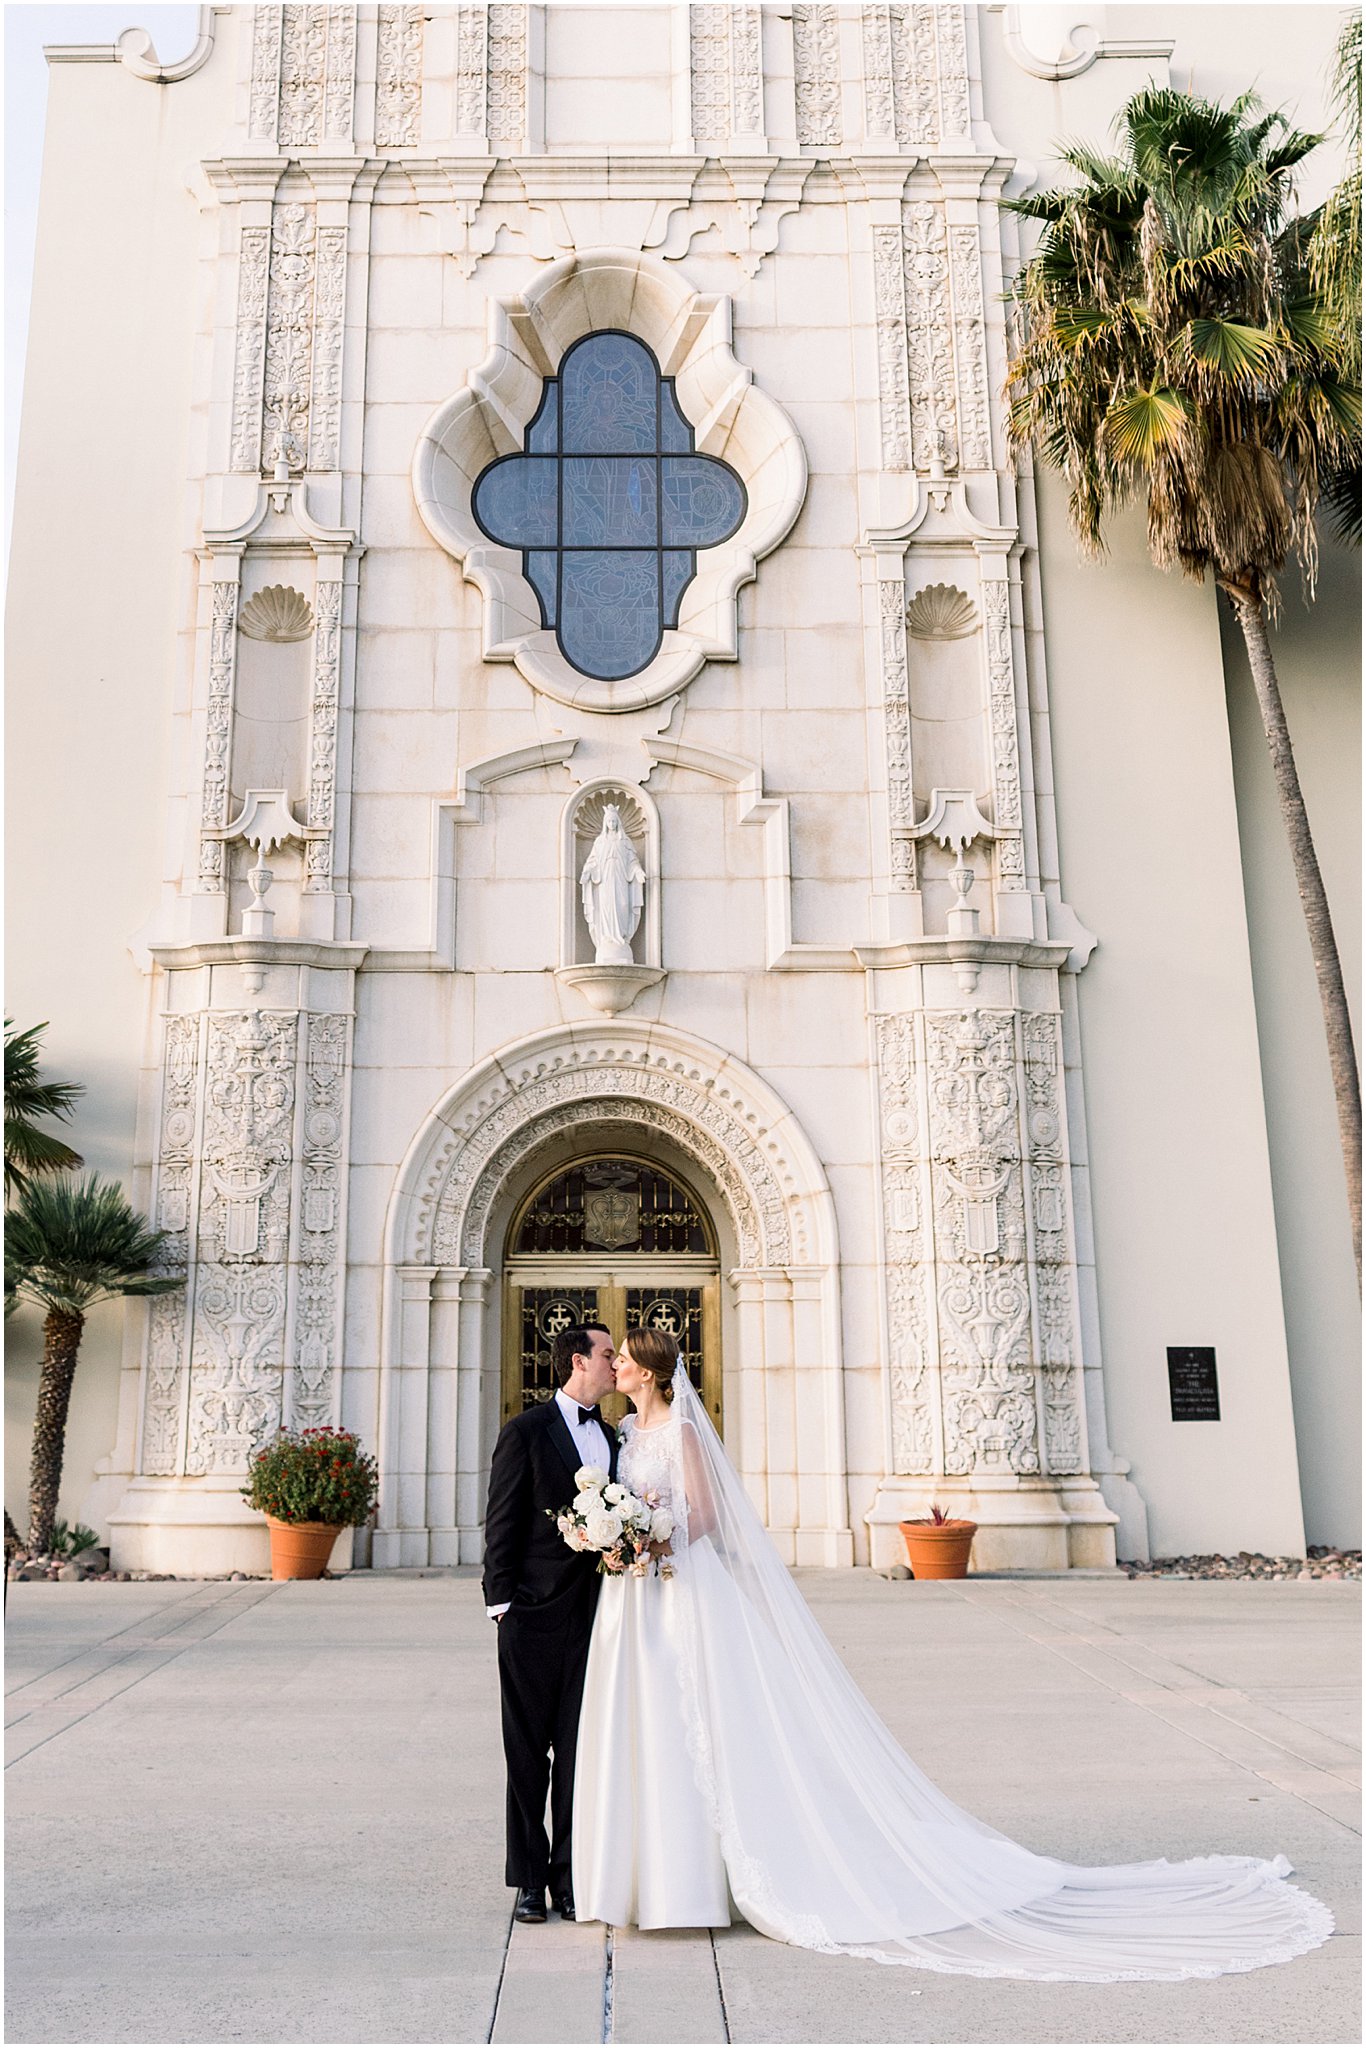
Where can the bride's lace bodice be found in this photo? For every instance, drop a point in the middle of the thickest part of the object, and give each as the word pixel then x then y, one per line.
pixel 651 1463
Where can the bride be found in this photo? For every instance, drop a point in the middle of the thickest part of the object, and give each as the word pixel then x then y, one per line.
pixel 727 1764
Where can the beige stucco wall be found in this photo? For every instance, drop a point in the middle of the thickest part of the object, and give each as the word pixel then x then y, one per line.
pixel 98 582
pixel 1318 660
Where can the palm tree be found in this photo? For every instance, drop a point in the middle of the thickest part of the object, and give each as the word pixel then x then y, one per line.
pixel 1335 257
pixel 68 1246
pixel 28 1149
pixel 1175 345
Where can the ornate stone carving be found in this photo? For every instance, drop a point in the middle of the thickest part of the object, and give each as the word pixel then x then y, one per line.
pixel 906 1269
pixel 896 711
pixel 934 426
pixel 894 402
pixel 970 349
pixel 588 1085
pixel 264 110
pixel 237 1341
pixel 915 74
pixel 1054 1270
pixel 879 96
pixel 289 335
pixel 213 810
pixel 329 317
pixel 948 23
pixel 941 612
pixel 317 1306
pixel 471 70
pixel 277 613
pixel 507 69
pixel 816 50
pixel 253 273
pixel 339 77
pixel 398 76
pixel 727 72
pixel 1005 743
pixel 165 1377
pixel 323 717
pixel 986 1369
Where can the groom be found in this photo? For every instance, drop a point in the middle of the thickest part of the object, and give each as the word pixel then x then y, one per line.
pixel 542 1595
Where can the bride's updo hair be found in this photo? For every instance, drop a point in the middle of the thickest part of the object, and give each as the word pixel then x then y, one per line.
pixel 656 1354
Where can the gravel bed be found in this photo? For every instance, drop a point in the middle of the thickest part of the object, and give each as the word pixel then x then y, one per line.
pixel 1321 1563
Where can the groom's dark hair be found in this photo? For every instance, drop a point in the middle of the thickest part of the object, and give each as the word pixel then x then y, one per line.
pixel 567 1345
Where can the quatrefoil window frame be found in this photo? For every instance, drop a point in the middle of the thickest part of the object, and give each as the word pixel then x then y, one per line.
pixel 689 335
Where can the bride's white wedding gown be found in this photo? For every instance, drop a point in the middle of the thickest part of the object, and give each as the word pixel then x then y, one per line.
pixel 728 1765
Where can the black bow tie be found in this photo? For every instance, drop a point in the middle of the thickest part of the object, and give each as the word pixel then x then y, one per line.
pixel 590 1415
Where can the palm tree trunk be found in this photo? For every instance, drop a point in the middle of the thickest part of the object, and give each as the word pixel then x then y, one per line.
pixel 1247 602
pixel 61 1347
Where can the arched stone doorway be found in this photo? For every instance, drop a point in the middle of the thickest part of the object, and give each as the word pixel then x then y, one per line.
pixel 699 1118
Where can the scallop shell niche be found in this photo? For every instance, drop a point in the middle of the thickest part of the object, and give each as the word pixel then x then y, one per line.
pixel 276 613
pixel 940 612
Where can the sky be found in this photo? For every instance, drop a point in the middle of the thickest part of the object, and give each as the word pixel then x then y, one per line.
pixel 173 31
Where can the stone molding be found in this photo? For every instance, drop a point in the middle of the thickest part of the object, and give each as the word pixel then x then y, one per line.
pixel 690 334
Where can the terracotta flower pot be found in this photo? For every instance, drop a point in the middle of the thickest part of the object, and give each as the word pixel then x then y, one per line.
pixel 938 1550
pixel 300 1550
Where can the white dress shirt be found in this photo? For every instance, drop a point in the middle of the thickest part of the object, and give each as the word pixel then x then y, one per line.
pixel 590 1441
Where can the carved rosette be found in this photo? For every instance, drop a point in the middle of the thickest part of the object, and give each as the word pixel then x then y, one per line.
pixel 1005 739
pixel 213 813
pixel 896 713
pixel 727 73
pixel 982 1323
pixel 163 1386
pixel 816 53
pixel 398 76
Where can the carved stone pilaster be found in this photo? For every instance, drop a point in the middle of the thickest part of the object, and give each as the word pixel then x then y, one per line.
pixel 471 71
pixel 507 76
pixel 398 77
pixel 915 75
pixel 320 1234
pixel 213 808
pixel 929 324
pixel 303 75
pixel 983 1350
pixel 173 1205
pixel 969 348
pixel 249 361
pixel 894 398
pixel 329 322
pixel 726 62
pixel 816 53
pixel 324 713
pixel 896 710
pixel 1005 738
pixel 288 389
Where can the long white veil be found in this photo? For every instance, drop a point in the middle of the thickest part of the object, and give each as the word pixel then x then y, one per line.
pixel 834 1840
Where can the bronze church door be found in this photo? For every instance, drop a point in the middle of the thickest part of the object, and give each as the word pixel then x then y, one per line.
pixel 615 1240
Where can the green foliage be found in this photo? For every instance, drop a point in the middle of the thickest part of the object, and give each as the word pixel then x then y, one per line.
pixel 1177 344
pixel 71 1244
pixel 313 1475
pixel 69 1541
pixel 1334 256
pixel 29 1150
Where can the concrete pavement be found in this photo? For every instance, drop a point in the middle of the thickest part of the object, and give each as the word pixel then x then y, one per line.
pixel 274 1813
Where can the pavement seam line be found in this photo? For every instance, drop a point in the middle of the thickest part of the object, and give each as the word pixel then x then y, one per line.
pixel 720 1987
pixel 1062 1651
pixel 169 1607
pixel 95 1705
pixel 609 1988
pixel 182 1620
pixel 498 1988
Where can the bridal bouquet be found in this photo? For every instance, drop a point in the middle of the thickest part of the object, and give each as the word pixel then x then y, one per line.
pixel 619 1525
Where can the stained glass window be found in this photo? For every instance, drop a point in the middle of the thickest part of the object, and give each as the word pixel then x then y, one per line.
pixel 609 503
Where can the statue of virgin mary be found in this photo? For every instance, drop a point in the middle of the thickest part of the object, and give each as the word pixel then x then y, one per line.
pixel 613 886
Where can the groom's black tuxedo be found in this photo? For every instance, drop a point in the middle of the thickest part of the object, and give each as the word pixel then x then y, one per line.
pixel 543 1637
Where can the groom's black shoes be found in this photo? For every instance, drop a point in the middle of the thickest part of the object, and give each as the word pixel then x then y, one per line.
pixel 564 1905
pixel 530 1906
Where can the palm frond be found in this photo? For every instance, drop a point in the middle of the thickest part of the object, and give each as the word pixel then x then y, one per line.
pixel 1236 352
pixel 71 1244
pixel 1142 425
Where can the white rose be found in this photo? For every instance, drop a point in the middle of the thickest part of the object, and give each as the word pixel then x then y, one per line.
pixel 590 1478
pixel 603 1530
pixel 661 1526
pixel 617 1493
pixel 585 1503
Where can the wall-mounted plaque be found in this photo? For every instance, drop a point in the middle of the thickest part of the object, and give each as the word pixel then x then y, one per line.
pixel 1194 1382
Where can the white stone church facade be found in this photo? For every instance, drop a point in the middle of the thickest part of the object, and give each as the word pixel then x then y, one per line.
pixel 500 415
